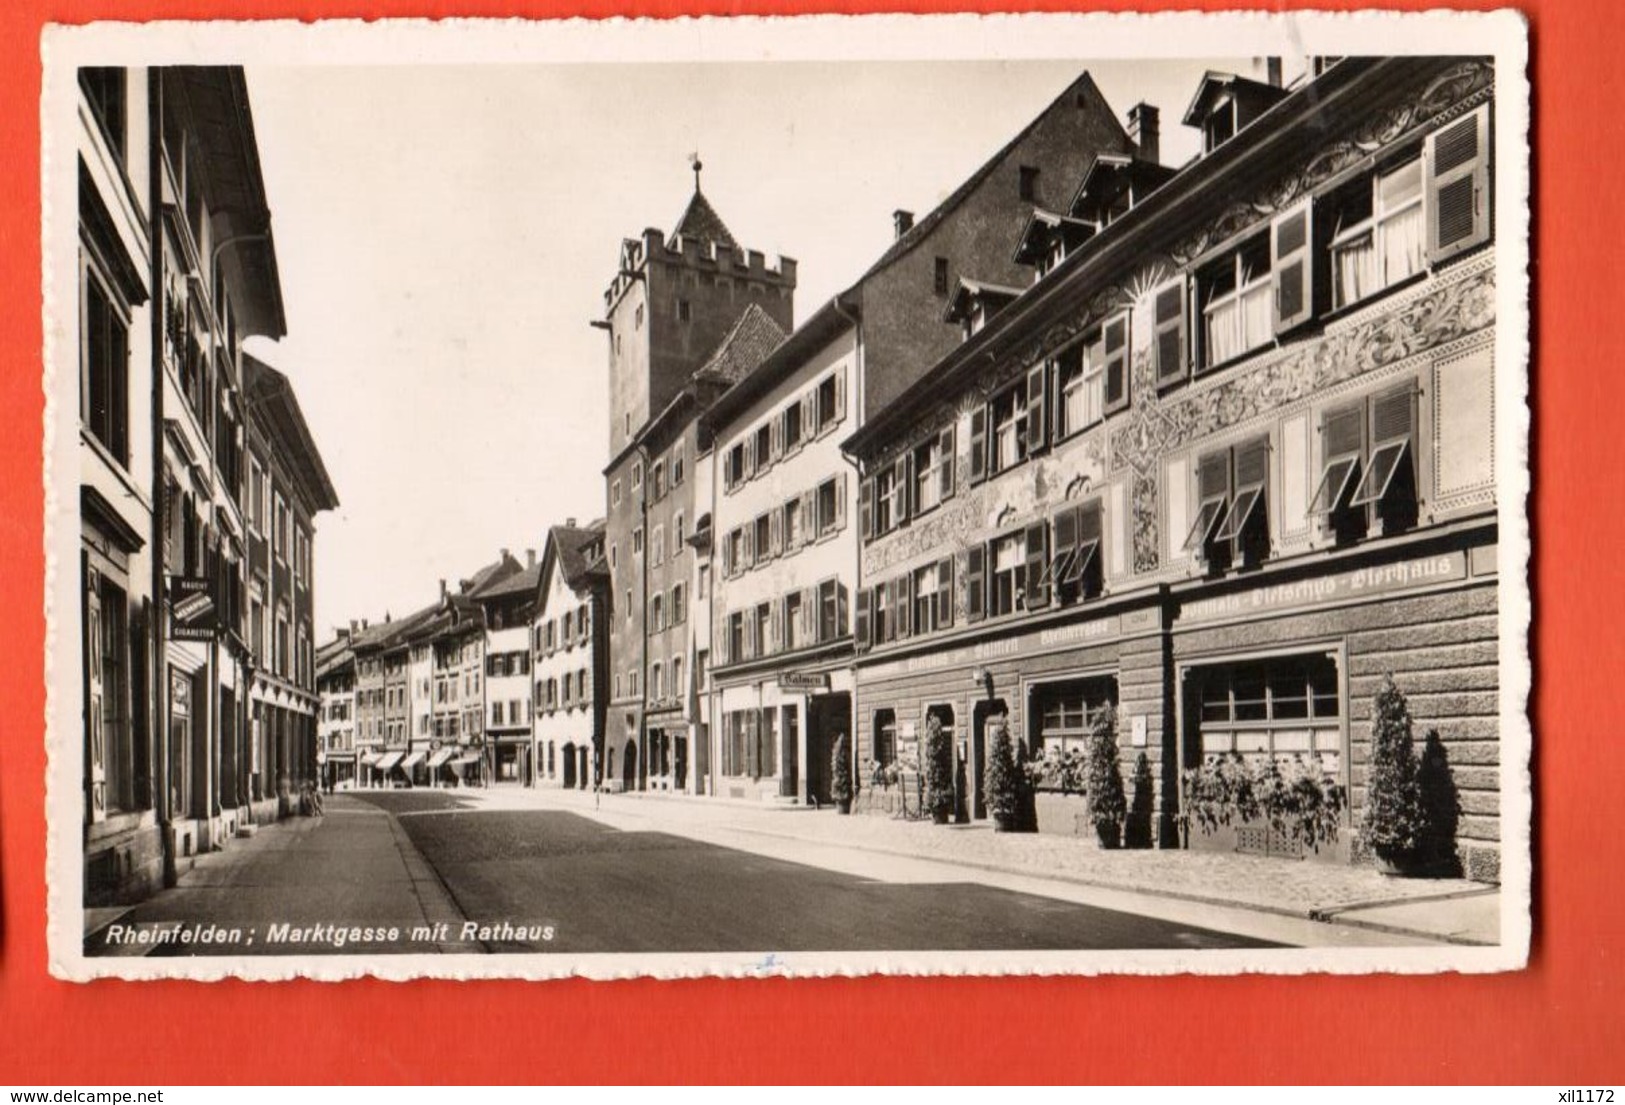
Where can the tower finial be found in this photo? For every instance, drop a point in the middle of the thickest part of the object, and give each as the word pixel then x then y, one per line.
pixel 695 162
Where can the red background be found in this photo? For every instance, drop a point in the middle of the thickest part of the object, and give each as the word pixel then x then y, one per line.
pixel 1557 1023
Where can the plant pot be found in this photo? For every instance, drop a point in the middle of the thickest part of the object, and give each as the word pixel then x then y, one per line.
pixel 1004 822
pixel 1401 866
pixel 843 805
pixel 1110 836
pixel 939 817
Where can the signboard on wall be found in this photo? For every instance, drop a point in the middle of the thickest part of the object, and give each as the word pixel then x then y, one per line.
pixel 192 615
pixel 803 681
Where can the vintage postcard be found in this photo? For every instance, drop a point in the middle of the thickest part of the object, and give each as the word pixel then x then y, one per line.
pixel 796 496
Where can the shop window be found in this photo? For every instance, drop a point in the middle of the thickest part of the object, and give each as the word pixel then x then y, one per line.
pixel 1235 296
pixel 885 737
pixel 1064 712
pixel 1281 706
pixel 1232 517
pixel 1368 476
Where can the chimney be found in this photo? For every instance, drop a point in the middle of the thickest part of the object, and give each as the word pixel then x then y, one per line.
pixel 343 631
pixel 505 556
pixel 442 588
pixel 354 629
pixel 902 221
pixel 364 622
pixel 530 558
pixel 1272 71
pixel 386 617
pixel 569 523
pixel 1145 129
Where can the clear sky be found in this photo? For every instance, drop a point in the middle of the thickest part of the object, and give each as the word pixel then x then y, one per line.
pixel 445 234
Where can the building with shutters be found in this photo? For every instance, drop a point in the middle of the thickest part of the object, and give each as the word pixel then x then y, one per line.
pixel 510 610
pixel 675 306
pixel 785 554
pixel 1222 462
pixel 187 447
pixel 569 639
pixel 335 711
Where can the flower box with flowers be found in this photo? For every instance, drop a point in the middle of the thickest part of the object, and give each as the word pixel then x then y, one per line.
pixel 1060 803
pixel 1288 806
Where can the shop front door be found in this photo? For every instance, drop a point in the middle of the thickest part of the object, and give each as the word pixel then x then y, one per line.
pixel 989 708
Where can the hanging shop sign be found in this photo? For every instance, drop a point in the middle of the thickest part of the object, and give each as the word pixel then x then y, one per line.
pixel 192 614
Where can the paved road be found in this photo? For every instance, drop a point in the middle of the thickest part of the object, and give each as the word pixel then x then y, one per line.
pixel 602 889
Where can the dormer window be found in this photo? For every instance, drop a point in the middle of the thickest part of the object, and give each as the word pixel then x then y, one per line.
pixel 1220 126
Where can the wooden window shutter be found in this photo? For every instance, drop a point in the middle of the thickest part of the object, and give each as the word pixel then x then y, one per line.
pixel 1034 583
pixel 776 627
pixel 905 603
pixel 1343 432
pixel 1213 477
pixel 1457 159
pixel 903 475
pixel 1292 266
pixel 1252 463
pixel 1114 336
pixel 1393 415
pixel 1169 326
pixel 945 592
pixel 975 583
pixel 945 445
pixel 840 396
pixel 750 545
pixel 809 517
pixel 809 415
pixel 840 502
pixel 775 529
pixel 724 642
pixel 861 637
pixel 840 608
pixel 978 445
pixel 1037 408
pixel 1066 546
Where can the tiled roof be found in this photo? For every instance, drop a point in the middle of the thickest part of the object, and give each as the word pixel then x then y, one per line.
pixel 517 584
pixel 752 338
pixel 701 221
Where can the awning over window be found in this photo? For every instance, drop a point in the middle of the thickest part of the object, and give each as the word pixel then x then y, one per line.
pixel 412 761
pixel 461 760
pixel 387 761
pixel 440 757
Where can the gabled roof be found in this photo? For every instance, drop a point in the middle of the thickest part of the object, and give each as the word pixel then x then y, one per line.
pixel 701 221
pixel 1042 226
pixel 751 339
pixel 1112 173
pixel 566 553
pixel 1084 86
pixel 969 291
pixel 491 574
pixel 1214 83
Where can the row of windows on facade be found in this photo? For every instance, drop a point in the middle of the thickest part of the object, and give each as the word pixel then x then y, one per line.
pixel 800 619
pixel 803 520
pixel 567 692
pixel 665 680
pixel 660 483
pixel 1367 485
pixel 657 543
pixel 1423 203
pixel 811 415
pixel 571 628
pixel 662 608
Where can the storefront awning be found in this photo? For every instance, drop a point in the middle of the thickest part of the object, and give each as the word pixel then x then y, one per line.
pixel 387 761
pixel 412 761
pixel 440 757
pixel 461 760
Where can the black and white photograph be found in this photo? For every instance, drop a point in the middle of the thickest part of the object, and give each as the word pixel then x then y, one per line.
pixel 788 496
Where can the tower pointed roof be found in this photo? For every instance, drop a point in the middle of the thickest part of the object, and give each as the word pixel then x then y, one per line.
pixel 701 221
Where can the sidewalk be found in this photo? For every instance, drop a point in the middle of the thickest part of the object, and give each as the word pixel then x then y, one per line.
pixel 1451 910
pixel 353 867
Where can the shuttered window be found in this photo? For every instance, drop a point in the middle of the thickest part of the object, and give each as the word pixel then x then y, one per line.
pixel 978 445
pixel 1389 482
pixel 1037 408
pixel 1035 587
pixel 1114 350
pixel 1292 266
pixel 975 583
pixel 1457 157
pixel 863 636
pixel 1232 517
pixel 1213 501
pixel 1074 570
pixel 1169 331
pixel 1342 441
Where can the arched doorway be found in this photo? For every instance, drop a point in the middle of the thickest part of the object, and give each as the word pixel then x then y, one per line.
pixel 569 751
pixel 629 765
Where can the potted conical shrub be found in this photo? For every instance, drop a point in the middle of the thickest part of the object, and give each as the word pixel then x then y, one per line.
pixel 1391 826
pixel 939 772
pixel 1137 834
pixel 840 774
pixel 1004 778
pixel 1107 804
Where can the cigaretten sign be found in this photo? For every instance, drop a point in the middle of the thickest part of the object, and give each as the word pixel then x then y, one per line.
pixel 191 609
